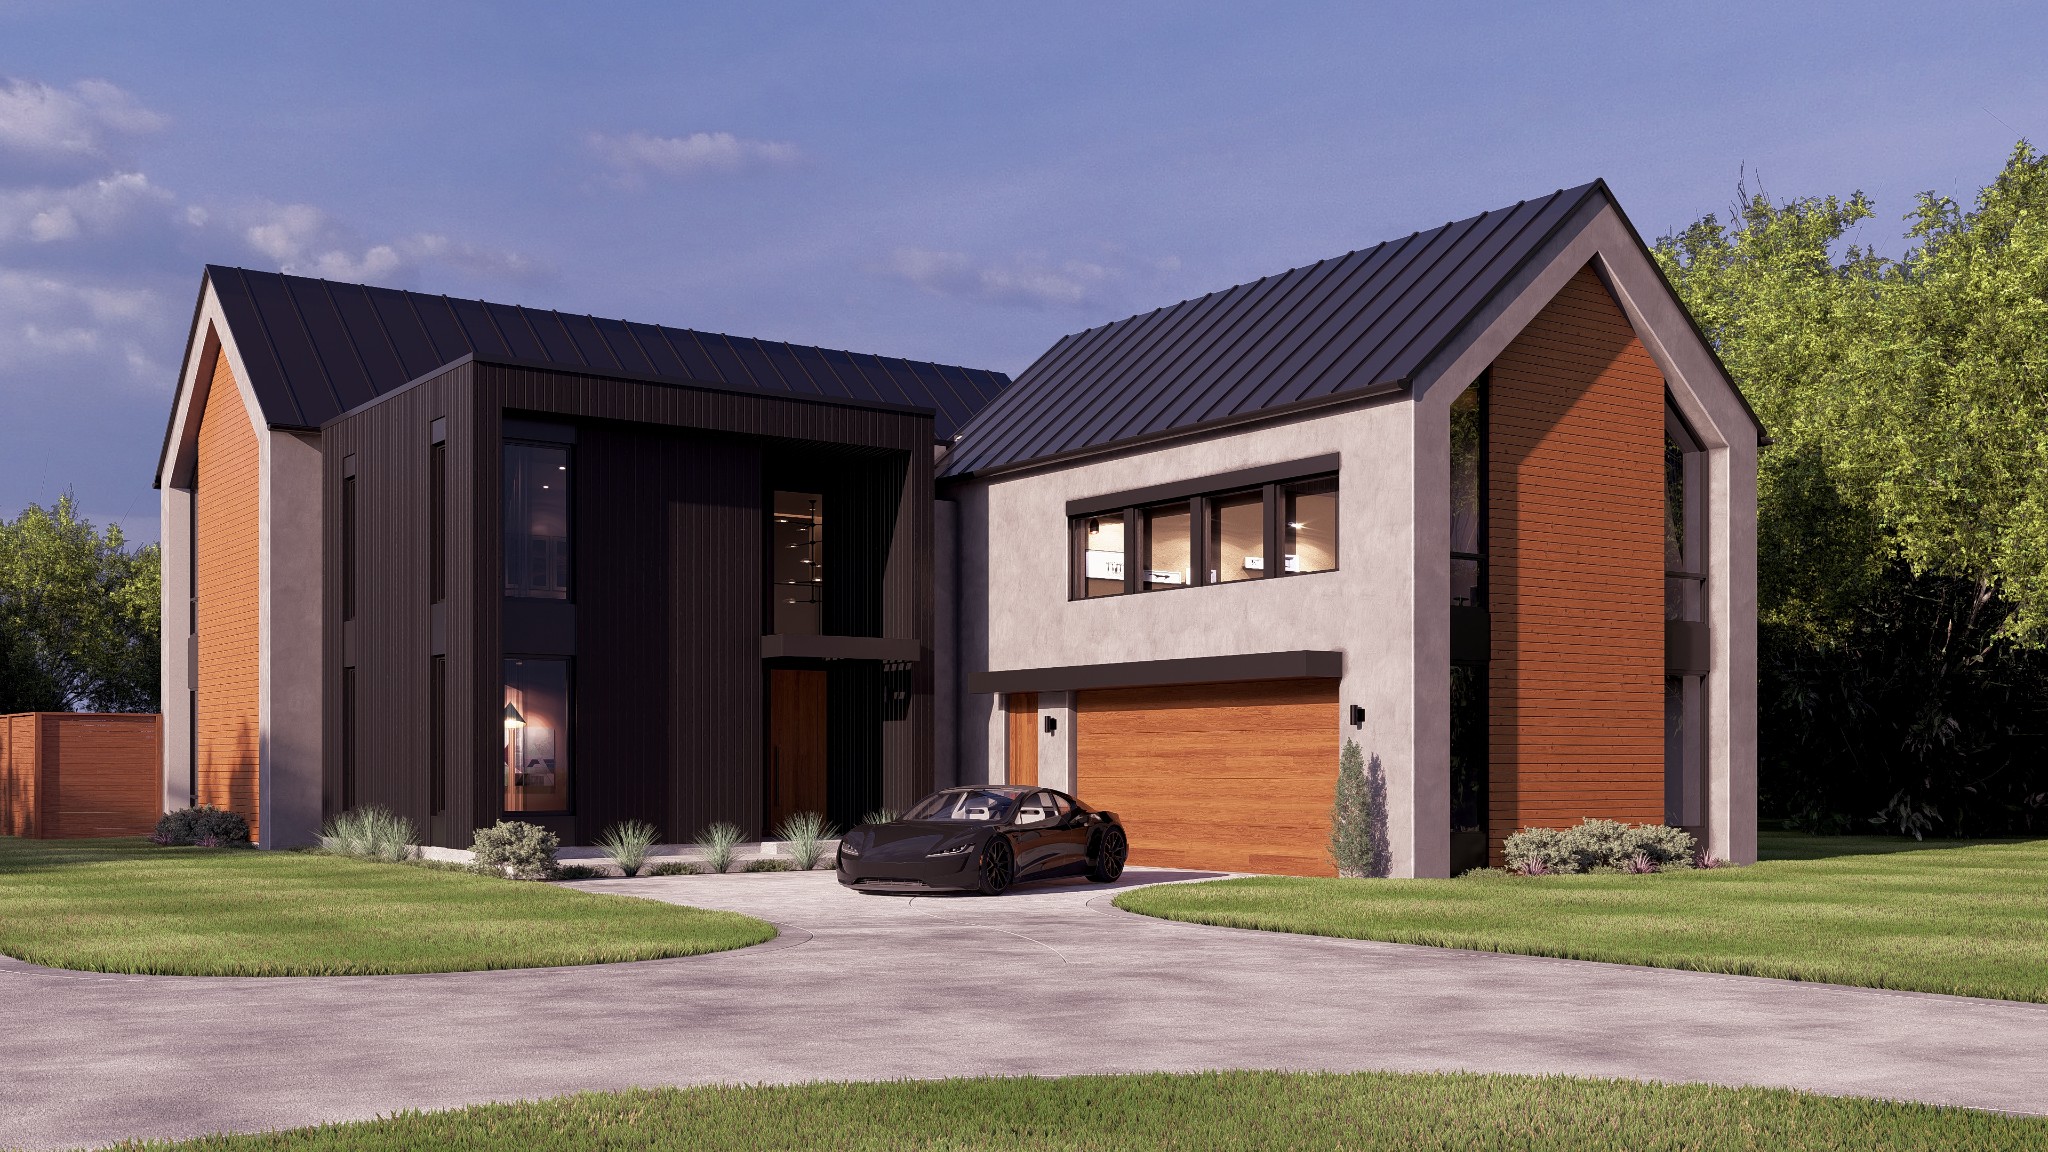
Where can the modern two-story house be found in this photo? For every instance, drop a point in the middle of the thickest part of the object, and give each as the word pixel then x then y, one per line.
pixel 1481 500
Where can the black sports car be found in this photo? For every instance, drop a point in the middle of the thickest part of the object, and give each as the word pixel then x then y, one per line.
pixel 984 839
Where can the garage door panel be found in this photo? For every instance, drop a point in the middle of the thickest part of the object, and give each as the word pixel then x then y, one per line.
pixel 1223 776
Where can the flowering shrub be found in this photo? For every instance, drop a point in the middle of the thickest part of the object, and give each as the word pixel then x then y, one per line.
pixel 1600 846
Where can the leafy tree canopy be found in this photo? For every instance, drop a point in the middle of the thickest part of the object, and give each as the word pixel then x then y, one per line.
pixel 78 615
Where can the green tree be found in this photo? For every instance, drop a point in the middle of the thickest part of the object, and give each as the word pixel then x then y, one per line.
pixel 78 612
pixel 1351 818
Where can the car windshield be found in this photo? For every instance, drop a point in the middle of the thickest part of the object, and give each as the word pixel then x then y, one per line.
pixel 971 806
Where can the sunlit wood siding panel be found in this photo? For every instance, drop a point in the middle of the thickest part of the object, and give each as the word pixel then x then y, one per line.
pixel 1575 448
pixel 19 770
pixel 228 564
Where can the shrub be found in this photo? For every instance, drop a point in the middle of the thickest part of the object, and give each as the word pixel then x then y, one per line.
pixel 677 868
pixel 526 851
pixel 716 842
pixel 191 825
pixel 1599 845
pixel 806 833
pixel 627 843
pixel 579 872
pixel 1351 817
pixel 881 816
pixel 369 833
pixel 768 864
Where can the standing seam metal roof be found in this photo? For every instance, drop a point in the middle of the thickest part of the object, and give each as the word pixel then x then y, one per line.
pixel 1368 319
pixel 315 349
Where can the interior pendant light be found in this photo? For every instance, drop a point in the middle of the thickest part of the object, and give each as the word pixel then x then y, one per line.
pixel 512 717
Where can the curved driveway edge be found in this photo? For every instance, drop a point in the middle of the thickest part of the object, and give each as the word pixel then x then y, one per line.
pixel 953 987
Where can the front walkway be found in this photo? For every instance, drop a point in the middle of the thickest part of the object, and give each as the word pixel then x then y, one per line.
pixel 1048 980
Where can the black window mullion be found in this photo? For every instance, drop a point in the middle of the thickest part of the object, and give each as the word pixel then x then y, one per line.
pixel 1198 539
pixel 1131 546
pixel 1276 564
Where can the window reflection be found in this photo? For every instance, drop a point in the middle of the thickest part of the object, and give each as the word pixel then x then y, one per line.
pixel 1237 537
pixel 1102 555
pixel 1169 547
pixel 537 521
pixel 536 730
pixel 1468 530
pixel 798 542
pixel 1311 525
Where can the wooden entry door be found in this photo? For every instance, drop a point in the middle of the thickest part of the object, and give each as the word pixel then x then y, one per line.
pixel 1021 765
pixel 796 744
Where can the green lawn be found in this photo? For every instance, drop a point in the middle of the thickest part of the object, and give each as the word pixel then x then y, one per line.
pixel 1232 1110
pixel 128 906
pixel 1968 918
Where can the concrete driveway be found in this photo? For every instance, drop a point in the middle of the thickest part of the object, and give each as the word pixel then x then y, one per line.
pixel 1044 981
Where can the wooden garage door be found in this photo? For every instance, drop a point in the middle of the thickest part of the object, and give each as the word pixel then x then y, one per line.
pixel 1230 776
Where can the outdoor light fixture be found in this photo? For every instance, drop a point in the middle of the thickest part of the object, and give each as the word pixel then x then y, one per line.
pixel 1052 725
pixel 1357 716
pixel 512 717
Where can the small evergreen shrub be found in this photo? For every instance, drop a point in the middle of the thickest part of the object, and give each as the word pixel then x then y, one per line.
pixel 1600 846
pixel 191 825
pixel 627 843
pixel 769 864
pixel 525 851
pixel 1351 818
pixel 677 868
pixel 716 842
pixel 369 833
pixel 806 833
pixel 578 872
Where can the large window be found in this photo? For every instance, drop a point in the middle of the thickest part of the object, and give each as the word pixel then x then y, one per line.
pixel 536 767
pixel 536 521
pixel 797 539
pixel 1468 498
pixel 1224 537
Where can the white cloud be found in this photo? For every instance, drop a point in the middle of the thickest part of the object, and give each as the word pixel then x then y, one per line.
pixel 44 123
pixel 96 207
pixel 304 240
pixel 48 321
pixel 637 155
pixel 1031 280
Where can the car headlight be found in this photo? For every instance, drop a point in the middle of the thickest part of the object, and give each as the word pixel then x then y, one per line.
pixel 962 850
pixel 846 849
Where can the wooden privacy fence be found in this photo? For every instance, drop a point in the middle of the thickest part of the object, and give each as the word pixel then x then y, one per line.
pixel 71 774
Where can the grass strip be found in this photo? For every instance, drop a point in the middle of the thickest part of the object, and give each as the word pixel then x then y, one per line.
pixel 129 906
pixel 1968 918
pixel 1221 1111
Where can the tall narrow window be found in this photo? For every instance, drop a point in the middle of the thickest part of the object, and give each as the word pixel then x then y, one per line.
pixel 797 538
pixel 437 522
pixel 1237 537
pixel 1468 503
pixel 1100 541
pixel 536 501
pixel 437 737
pixel 1169 547
pixel 1309 521
pixel 348 739
pixel 348 548
pixel 536 735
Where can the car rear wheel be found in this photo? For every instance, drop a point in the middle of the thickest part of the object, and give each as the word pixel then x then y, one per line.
pixel 998 866
pixel 1110 853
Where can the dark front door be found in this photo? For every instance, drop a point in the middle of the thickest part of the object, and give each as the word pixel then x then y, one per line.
pixel 796 744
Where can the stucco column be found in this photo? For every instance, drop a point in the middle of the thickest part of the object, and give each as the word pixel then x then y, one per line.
pixel 174 688
pixel 1731 686
pixel 291 766
pixel 1056 748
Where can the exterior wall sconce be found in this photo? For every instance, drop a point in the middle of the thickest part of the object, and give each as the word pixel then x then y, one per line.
pixel 1052 725
pixel 1357 716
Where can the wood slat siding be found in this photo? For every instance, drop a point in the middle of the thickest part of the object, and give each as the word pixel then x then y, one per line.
pixel 1239 777
pixel 72 774
pixel 668 588
pixel 228 565
pixel 1022 708
pixel 1575 446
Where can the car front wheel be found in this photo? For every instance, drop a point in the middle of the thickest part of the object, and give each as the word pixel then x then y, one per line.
pixel 998 866
pixel 1110 852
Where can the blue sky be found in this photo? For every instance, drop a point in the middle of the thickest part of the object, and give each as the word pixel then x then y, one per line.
pixel 955 182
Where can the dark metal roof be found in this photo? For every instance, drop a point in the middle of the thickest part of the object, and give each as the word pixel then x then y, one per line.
pixel 1359 323
pixel 315 349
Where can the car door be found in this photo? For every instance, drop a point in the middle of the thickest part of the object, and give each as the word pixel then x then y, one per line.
pixel 1067 841
pixel 1034 833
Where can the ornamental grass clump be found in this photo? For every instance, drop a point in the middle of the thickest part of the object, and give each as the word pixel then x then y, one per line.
pixel 627 844
pixel 881 816
pixel 515 848
pixel 716 842
pixel 1600 846
pixel 188 826
pixel 372 832
pixel 806 833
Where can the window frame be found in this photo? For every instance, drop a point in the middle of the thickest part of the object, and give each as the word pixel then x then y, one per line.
pixel 1196 495
pixel 566 738
pixel 568 451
